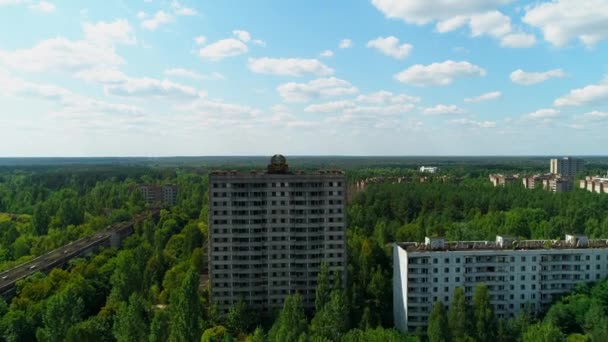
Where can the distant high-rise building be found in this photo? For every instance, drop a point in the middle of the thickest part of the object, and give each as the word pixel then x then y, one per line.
pixel 567 166
pixel 270 231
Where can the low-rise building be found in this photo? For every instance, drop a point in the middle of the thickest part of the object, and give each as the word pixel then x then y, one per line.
pixel 518 273
pixel 502 180
pixel 429 169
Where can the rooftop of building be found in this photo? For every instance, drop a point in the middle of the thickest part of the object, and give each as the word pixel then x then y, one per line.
pixel 502 243
pixel 277 166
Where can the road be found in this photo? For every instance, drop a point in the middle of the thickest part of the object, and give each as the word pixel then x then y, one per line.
pixel 58 257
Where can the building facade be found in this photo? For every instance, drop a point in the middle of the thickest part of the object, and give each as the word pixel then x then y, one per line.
pixel 502 180
pixel 270 231
pixel 429 169
pixel 159 194
pixel 567 166
pixel 517 273
pixel 595 184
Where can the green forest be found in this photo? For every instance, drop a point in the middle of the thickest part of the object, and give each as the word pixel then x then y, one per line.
pixel 152 288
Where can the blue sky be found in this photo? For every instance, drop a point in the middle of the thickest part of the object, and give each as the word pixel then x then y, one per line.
pixel 356 77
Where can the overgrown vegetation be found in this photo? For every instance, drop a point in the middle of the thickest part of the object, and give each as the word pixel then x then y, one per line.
pixel 151 289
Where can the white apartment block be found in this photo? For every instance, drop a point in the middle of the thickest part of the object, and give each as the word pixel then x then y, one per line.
pixel 595 184
pixel 517 273
pixel 429 169
pixel 567 166
pixel 270 231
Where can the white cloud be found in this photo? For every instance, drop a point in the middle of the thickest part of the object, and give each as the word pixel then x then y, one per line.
pixel 345 44
pixel 259 42
pixel 422 12
pixel 185 73
pixel 330 107
pixel 481 16
pixel 443 73
pixel 109 33
pixel 158 19
pixel 326 53
pixel 528 78
pixel 289 66
pixel 242 35
pixel 451 24
pixel 544 113
pixel 564 20
pixel 10 2
pixel 223 48
pixel 43 6
pixel 181 72
pixel 200 40
pixel 595 115
pixel 68 102
pixel 101 75
pixel 484 97
pixel 61 54
pixel 178 9
pixel 387 97
pixel 595 93
pixel 518 40
pixel 491 23
pixel 473 123
pixel 442 110
pixel 149 87
pixel 141 15
pixel 390 47
pixel 315 89
pixel 367 107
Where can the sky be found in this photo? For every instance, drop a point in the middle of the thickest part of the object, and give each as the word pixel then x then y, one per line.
pixel 314 77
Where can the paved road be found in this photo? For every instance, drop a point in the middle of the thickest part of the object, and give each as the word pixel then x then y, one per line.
pixel 63 254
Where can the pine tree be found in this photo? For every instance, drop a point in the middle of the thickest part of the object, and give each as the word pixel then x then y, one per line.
pixel 485 326
pixel 130 323
pixel 458 316
pixel 438 330
pixel 186 311
pixel 323 291
pixel 291 322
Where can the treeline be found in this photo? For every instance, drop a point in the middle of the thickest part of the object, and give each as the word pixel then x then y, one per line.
pixel 581 315
pixel 150 290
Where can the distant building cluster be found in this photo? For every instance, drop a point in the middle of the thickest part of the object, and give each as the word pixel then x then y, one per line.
pixel 429 169
pixel 159 194
pixel 559 179
pixel 595 184
pixel 548 181
pixel 518 273
pixel 364 183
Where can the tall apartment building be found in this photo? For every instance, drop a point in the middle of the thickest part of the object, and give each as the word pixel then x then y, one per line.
pixel 270 231
pixel 567 166
pixel 517 273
